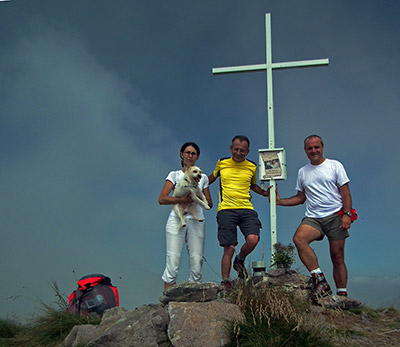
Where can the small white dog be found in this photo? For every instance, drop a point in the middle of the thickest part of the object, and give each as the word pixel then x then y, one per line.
pixel 189 183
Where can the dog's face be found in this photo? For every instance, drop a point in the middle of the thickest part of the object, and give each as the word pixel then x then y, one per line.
pixel 194 173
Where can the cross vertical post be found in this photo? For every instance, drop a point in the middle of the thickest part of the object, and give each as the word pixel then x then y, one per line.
pixel 269 66
pixel 271 129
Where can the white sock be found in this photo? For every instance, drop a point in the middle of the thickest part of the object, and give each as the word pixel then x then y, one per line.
pixel 341 290
pixel 316 271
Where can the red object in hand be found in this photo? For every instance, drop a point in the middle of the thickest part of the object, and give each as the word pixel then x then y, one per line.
pixel 353 217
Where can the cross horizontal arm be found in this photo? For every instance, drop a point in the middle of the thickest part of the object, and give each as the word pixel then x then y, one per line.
pixel 259 67
pixel 300 63
pixel 242 68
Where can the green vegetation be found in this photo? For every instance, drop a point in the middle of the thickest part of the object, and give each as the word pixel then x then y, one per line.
pixel 274 317
pixel 369 312
pixel 9 328
pixel 48 329
pixel 347 332
pixel 283 257
pixel 53 326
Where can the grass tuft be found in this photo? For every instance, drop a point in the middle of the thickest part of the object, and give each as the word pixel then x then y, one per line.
pixel 47 329
pixel 274 318
pixel 9 328
pixel 53 326
pixel 367 311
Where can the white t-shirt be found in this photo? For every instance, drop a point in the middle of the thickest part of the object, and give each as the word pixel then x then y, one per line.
pixel 320 183
pixel 176 176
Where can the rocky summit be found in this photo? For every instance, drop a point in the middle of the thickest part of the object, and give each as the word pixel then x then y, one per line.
pixel 201 314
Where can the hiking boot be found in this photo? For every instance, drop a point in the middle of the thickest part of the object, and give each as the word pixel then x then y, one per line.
pixel 227 284
pixel 319 286
pixel 238 266
pixel 340 293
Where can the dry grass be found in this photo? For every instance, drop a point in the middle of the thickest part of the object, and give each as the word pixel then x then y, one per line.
pixel 274 317
pixel 47 329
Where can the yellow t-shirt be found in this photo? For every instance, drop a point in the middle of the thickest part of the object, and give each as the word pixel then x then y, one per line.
pixel 235 181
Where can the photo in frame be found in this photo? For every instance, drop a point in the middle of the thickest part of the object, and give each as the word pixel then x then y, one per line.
pixel 272 164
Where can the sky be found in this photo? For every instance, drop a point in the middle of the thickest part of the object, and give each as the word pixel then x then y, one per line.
pixel 97 97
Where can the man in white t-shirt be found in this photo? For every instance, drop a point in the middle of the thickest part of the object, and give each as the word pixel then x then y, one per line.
pixel 324 186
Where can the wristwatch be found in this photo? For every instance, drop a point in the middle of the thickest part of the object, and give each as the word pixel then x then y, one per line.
pixel 348 214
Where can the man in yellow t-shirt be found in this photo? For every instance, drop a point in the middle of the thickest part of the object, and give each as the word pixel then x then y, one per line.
pixel 237 176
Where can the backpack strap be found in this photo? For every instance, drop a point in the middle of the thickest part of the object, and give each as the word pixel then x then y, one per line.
pixel 92 280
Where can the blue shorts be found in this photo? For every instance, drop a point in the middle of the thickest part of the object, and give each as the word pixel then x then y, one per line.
pixel 228 221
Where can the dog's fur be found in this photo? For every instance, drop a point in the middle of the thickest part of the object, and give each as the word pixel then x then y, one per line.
pixel 189 183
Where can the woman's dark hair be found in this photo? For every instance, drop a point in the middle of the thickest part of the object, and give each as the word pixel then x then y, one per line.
pixel 187 144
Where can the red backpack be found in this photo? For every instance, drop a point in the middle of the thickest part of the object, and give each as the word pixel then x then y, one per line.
pixel 94 295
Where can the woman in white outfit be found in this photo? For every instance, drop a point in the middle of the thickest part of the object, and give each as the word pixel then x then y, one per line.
pixel 194 231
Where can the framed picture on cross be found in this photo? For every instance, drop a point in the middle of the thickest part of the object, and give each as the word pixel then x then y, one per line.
pixel 272 164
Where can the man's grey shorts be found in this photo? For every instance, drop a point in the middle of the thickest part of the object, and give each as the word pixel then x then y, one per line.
pixel 228 221
pixel 329 226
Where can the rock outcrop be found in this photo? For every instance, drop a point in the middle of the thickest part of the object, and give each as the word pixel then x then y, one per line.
pixel 191 292
pixel 145 326
pixel 188 315
pixel 201 323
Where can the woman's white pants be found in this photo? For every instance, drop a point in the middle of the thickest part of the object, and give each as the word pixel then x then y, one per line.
pixel 193 234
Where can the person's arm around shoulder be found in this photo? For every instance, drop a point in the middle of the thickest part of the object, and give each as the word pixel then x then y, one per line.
pixel 211 178
pixel 294 200
pixel 166 199
pixel 206 192
pixel 347 206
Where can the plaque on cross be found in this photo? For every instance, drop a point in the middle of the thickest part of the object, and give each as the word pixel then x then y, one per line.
pixel 268 66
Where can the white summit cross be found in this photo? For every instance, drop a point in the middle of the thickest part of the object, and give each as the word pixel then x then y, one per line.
pixel 269 66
